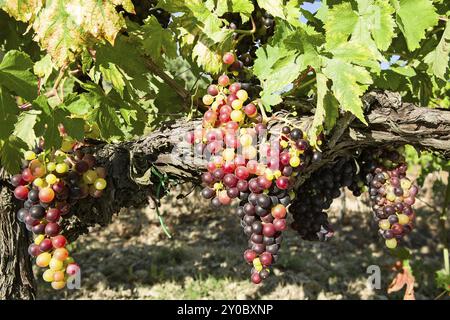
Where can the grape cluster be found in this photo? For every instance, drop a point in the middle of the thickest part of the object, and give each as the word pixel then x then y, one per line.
pixel 392 194
pixel 49 184
pixel 245 163
pixel 316 195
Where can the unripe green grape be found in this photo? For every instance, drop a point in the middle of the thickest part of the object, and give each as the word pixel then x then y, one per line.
pixel 100 184
pixel 403 218
pixel 30 155
pixel 391 243
pixel 51 166
pixel 62 168
pixel 90 176
pixel 384 224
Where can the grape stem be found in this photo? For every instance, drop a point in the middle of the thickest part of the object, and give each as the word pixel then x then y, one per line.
pixel 244 33
pixel 51 93
pixel 263 112
pixel 247 32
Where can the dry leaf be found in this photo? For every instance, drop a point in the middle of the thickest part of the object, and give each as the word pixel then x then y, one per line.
pixel 404 277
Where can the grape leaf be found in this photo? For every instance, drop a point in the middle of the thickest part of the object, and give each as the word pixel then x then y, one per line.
pixel 356 53
pixel 305 40
pixel 22 10
pixel 157 41
pixel 276 68
pixel 65 27
pixel 412 26
pixel 402 279
pixel 274 7
pixel 125 57
pixel 443 279
pixel 10 153
pixel 200 33
pixel 24 128
pixel 349 84
pixel 43 68
pixel 382 23
pixel 113 75
pixel 15 74
pixel 340 21
pixel 293 12
pixel 326 109
pixel 406 71
pixel 47 123
pixel 244 7
pixel 105 116
pixel 438 59
pixel 80 105
pixel 8 113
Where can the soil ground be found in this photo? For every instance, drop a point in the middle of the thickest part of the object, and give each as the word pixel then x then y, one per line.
pixel 133 259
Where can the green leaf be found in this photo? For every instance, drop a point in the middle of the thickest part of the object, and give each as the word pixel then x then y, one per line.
pixel 126 58
pixel 43 68
pixel 438 59
pixel 274 7
pixel 382 23
pixel 413 25
pixel 372 25
pixel 349 84
pixel 47 123
pixel 10 154
pixel 8 113
pixel 106 118
pixel 276 68
pixel 305 40
pixel 326 110
pixel 157 41
pixel 80 106
pixel 24 128
pixel 220 7
pixel 293 13
pixel 73 126
pixel 113 75
pixel 406 71
pixel 443 279
pixel 356 53
pixel 340 22
pixel 15 75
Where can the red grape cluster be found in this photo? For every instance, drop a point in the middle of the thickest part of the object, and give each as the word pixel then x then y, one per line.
pixel 244 163
pixel 392 194
pixel 50 183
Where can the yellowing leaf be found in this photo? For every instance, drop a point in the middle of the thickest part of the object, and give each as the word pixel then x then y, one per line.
pixel 339 24
pixel 210 60
pixel 65 27
pixel 23 10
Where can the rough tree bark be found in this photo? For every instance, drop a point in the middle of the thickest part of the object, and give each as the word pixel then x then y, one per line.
pixel 131 181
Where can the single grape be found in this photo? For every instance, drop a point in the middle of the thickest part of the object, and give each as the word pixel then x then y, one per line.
pixel 228 58
pixel 43 259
